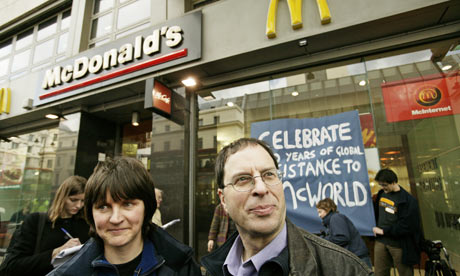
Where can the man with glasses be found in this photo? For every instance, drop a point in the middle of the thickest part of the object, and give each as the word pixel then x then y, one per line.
pixel 398 232
pixel 267 243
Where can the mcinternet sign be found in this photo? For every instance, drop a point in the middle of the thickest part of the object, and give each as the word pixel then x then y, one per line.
pixel 127 52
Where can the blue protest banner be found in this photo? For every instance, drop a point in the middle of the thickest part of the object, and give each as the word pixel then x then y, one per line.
pixel 321 157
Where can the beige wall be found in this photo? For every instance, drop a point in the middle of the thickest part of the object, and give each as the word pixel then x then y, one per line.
pixel 11 9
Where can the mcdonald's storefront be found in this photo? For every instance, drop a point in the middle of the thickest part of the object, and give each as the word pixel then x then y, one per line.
pixel 395 62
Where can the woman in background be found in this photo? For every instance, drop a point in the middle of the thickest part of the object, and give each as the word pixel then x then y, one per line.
pixel 64 215
pixel 341 231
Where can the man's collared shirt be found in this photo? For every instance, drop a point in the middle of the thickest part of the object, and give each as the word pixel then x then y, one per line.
pixel 233 264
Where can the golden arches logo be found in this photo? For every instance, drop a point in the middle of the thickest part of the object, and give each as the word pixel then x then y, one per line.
pixel 428 95
pixel 5 100
pixel 295 10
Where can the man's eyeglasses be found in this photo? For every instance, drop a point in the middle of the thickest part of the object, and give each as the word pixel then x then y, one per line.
pixel 245 183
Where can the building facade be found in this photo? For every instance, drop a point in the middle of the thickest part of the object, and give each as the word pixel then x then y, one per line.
pixel 93 65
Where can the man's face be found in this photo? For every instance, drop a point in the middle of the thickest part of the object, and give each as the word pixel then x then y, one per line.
pixel 387 187
pixel 261 211
pixel 119 223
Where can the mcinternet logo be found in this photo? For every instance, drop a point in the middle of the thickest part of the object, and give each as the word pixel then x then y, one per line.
pixel 428 96
pixel 111 58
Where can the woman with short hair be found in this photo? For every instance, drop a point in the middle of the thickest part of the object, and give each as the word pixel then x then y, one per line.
pixel 119 205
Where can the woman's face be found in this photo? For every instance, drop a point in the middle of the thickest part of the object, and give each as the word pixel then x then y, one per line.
pixel 322 213
pixel 73 204
pixel 119 224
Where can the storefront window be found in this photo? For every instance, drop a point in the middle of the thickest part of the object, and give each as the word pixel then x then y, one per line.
pixel 26 178
pixel 162 153
pixel 422 147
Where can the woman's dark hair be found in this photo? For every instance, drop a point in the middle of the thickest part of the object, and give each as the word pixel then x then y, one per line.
pixel 72 185
pixel 124 178
pixel 327 205
pixel 386 176
pixel 233 148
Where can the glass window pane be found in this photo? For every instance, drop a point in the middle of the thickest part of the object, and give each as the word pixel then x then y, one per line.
pixel 24 39
pixel 140 8
pixel 20 61
pixel 62 43
pixel 4 67
pixel 44 51
pixel 133 30
pixel 65 22
pixel 102 5
pixel 5 48
pixel 101 26
pixel 47 29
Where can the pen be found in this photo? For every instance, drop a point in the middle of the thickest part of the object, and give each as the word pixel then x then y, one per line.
pixel 67 233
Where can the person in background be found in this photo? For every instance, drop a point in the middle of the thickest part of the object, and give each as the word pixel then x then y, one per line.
pixel 125 241
pixel 18 217
pixel 341 231
pixel 65 213
pixel 267 243
pixel 398 232
pixel 222 227
pixel 157 215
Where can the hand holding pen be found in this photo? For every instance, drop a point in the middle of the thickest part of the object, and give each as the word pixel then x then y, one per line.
pixel 70 243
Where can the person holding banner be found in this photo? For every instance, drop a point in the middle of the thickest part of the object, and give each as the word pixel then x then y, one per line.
pixel 398 232
pixel 341 231
pixel 266 242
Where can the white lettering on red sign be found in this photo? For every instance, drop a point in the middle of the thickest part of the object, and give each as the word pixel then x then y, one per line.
pixel 162 97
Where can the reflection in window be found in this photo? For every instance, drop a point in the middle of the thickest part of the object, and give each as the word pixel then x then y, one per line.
pixel 5 48
pixel 20 61
pixel 102 5
pixel 25 39
pixel 4 67
pixel 62 43
pixel 44 51
pixel 65 22
pixel 101 26
pixel 47 29
pixel 132 30
pixel 140 8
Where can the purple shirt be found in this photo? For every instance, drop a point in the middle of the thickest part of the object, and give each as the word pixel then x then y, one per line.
pixel 233 264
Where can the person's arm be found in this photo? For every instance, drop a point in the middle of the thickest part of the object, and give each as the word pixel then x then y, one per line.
pixel 338 230
pixel 214 229
pixel 23 262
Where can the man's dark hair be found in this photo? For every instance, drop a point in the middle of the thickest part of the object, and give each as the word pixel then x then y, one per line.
pixel 124 178
pixel 233 148
pixel 386 176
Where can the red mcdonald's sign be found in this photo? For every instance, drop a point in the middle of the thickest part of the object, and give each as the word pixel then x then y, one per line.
pixel 429 96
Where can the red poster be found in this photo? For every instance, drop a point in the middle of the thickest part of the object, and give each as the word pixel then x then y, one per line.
pixel 367 130
pixel 420 98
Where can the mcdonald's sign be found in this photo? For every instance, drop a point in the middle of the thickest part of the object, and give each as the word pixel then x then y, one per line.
pixel 5 100
pixel 295 10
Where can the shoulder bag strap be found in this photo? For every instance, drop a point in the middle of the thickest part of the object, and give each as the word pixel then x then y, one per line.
pixel 41 225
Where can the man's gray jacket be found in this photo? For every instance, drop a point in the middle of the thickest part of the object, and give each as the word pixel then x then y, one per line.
pixel 306 254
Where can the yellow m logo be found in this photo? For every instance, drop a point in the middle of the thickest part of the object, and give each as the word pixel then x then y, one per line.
pixel 5 100
pixel 295 10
